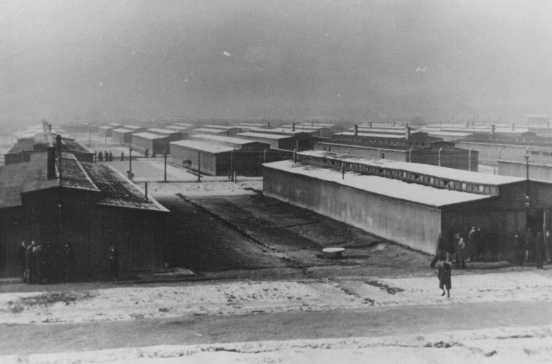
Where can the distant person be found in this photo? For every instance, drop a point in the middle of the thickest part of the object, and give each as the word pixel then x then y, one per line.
pixel 473 243
pixel 460 251
pixel 100 156
pixel 146 153
pixel 444 268
pixel 547 247
pixel 110 156
pixel 539 250
pixel 521 248
pixel 29 262
pixel 122 156
pixel 113 258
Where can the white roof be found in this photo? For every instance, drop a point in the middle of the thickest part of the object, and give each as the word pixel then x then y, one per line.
pixel 377 135
pixel 263 135
pixel 427 169
pixel 122 130
pixel 209 130
pixel 131 127
pixel 203 145
pixel 223 139
pixel 162 131
pixel 148 135
pixel 388 187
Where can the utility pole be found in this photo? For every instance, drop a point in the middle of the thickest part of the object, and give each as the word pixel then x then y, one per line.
pixel 198 166
pixel 129 172
pixel 469 160
pixel 439 157
pixel 165 167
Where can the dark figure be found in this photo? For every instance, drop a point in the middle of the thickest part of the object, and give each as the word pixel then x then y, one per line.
pixel 547 247
pixel 36 263
pixel 100 156
pixel 444 268
pixel 110 156
pixel 113 257
pixel 473 243
pixel 69 262
pixel 147 153
pixel 21 258
pixel 460 251
pixel 122 156
pixel 521 248
pixel 28 262
pixel 539 250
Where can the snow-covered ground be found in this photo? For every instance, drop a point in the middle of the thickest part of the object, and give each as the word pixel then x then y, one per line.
pixel 512 345
pixel 209 188
pixel 231 298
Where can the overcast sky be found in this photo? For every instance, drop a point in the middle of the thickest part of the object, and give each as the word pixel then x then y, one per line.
pixel 347 59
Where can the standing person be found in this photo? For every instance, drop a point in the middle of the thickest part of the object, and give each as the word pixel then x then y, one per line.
pixel 28 263
pixel 473 245
pixel 519 246
pixel 100 156
pixel 539 250
pixel 460 251
pixel 547 247
pixel 444 268
pixel 69 262
pixel 113 257
pixel 36 260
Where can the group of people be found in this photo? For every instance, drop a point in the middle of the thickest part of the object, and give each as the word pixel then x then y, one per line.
pixel 104 156
pixel 46 262
pixel 533 244
pixel 461 249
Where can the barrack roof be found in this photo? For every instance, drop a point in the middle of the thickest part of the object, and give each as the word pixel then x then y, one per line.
pixel 148 135
pixel 203 145
pixel 264 135
pixel 426 169
pixel 392 188
pixel 223 139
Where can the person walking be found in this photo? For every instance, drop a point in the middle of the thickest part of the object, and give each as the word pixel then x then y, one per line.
pixel 28 262
pixel 547 247
pixel 520 247
pixel 460 251
pixel 539 250
pixel 113 257
pixel 444 269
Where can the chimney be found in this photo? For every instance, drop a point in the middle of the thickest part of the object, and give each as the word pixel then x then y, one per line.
pixel 59 154
pixel 493 130
pixel 356 130
pixel 407 132
pixel 51 163
pixel 293 126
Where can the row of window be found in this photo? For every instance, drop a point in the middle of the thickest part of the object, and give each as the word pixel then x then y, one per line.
pixel 404 176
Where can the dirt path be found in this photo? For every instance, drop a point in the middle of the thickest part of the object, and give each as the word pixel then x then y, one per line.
pixel 422 320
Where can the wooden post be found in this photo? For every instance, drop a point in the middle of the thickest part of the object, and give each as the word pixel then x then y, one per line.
pixel 198 166
pixel 165 168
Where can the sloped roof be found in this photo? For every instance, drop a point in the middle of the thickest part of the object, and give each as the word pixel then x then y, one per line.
pixel 113 188
pixel 119 191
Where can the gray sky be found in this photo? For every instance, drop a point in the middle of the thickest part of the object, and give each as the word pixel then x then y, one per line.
pixel 111 59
